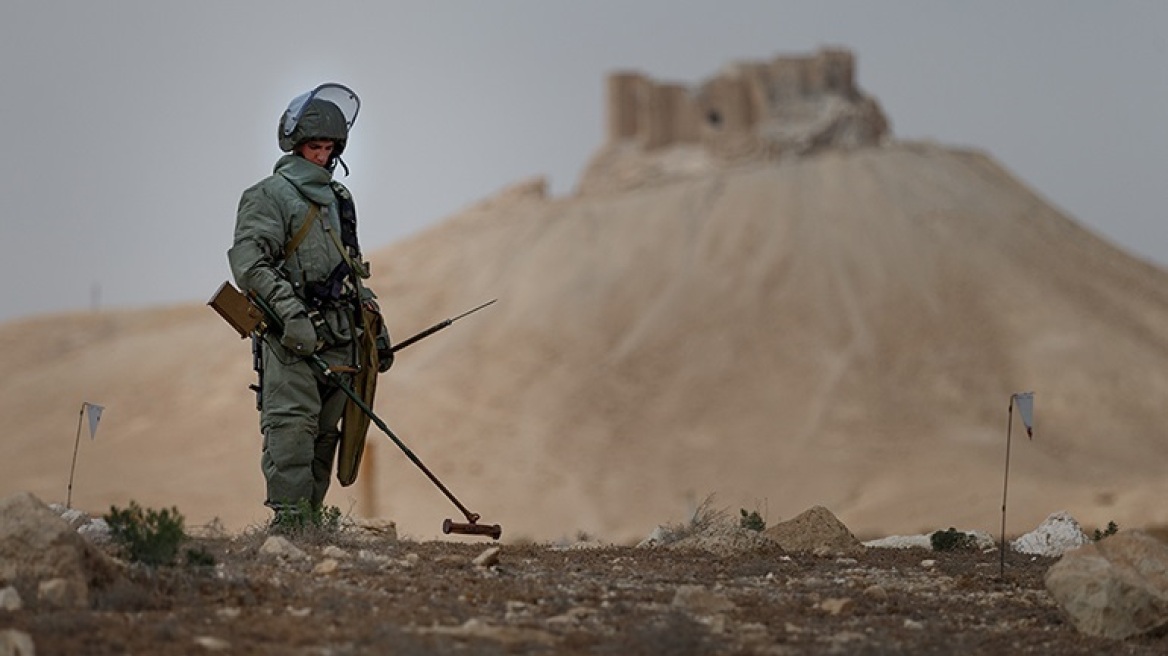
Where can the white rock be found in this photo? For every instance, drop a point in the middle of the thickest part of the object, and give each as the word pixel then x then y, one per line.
pixel 378 529
pixel 281 547
pixel 16 643
pixel 75 518
pixel 487 558
pixel 660 535
pixel 10 599
pixel 835 605
pixel 96 530
pixel 61 593
pixel 326 566
pixel 211 643
pixel 1056 535
pixel 901 542
pixel 983 540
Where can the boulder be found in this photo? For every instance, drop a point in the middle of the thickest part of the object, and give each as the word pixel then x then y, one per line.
pixel 1115 588
pixel 38 546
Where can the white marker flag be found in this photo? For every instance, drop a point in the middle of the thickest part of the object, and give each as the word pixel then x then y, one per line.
pixel 1026 410
pixel 93 412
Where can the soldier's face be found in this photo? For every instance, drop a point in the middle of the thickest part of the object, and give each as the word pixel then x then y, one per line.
pixel 317 152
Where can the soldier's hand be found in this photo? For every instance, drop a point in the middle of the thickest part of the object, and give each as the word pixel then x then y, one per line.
pixel 299 335
pixel 384 359
pixel 384 351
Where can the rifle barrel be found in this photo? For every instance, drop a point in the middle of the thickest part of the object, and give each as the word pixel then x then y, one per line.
pixel 472 311
pixel 420 336
pixel 436 327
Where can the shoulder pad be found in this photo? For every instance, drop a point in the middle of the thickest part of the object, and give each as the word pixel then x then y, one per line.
pixel 340 190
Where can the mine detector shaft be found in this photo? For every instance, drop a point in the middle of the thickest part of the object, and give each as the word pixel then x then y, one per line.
pixel 250 315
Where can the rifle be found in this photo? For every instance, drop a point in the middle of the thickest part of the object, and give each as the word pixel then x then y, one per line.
pixel 251 315
pixel 247 315
pixel 257 364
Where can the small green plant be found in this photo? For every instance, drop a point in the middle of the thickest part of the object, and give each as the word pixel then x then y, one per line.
pixel 752 520
pixel 952 540
pixel 303 519
pixel 1112 529
pixel 148 536
pixel 200 557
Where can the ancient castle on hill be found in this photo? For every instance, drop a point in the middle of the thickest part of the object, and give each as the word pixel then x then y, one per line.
pixel 789 106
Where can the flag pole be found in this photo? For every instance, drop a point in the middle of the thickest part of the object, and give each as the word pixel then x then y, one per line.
pixel 1006 484
pixel 73 467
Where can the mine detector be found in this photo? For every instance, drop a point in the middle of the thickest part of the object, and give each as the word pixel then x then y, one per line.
pixel 251 316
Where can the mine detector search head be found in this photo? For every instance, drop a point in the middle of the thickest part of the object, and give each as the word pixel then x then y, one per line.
pixel 252 315
pixel 450 526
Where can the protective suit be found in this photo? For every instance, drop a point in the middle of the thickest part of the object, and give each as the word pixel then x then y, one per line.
pixel 296 246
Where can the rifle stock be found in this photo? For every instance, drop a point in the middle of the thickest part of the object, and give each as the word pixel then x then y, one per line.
pixel 237 310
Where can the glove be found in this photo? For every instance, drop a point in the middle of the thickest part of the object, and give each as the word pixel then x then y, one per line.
pixel 384 351
pixel 299 335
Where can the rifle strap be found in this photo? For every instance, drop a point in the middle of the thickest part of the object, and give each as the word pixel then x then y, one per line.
pixel 294 243
pixel 353 270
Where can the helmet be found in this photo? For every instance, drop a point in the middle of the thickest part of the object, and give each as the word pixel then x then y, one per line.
pixel 326 112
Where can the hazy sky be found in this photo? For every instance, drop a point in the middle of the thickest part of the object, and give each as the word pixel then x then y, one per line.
pixel 132 127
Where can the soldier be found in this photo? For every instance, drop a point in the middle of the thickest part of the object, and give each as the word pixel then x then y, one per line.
pixel 296 247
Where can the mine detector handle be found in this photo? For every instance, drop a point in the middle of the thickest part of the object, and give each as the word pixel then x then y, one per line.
pixel 436 327
pixel 230 301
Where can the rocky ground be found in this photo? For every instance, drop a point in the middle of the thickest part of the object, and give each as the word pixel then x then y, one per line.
pixel 363 593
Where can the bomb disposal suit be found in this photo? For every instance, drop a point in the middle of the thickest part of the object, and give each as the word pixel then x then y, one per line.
pixel 296 247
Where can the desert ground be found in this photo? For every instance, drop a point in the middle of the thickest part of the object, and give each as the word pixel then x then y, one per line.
pixel 376 595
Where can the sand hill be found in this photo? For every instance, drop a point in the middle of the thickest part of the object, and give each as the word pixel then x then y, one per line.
pixel 843 328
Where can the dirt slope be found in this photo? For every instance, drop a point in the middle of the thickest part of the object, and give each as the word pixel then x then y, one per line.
pixel 843 330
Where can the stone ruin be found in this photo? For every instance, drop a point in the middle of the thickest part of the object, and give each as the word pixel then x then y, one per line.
pixel 751 111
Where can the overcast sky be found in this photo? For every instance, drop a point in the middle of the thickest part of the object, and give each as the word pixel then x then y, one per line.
pixel 132 127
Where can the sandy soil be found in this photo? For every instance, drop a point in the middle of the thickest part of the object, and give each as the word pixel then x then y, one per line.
pixel 391 597
pixel 841 330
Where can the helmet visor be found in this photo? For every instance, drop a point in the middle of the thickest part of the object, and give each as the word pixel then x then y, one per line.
pixel 338 94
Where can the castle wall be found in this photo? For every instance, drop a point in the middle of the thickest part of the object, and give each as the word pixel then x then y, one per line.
pixel 726 104
pixel 739 100
pixel 751 111
pixel 624 100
